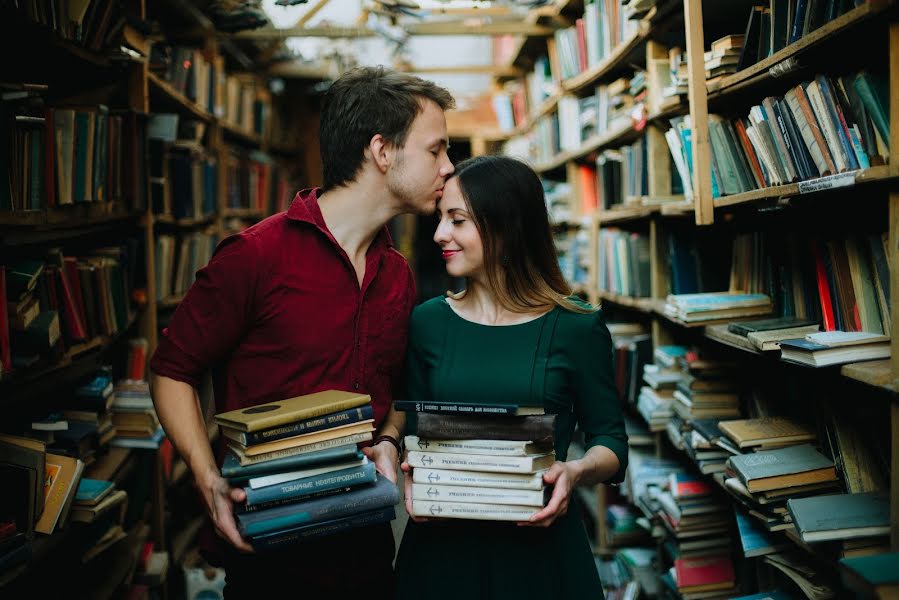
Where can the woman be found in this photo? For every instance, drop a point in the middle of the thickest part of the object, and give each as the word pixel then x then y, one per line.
pixel 512 334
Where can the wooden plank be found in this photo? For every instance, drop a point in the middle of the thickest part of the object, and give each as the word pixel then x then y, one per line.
pixel 425 28
pixel 176 98
pixel 848 20
pixel 699 111
pixel 877 373
pixel 658 157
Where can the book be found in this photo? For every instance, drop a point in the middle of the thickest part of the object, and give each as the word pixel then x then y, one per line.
pixel 381 494
pixel 872 576
pixel 536 428
pixel 472 510
pixel 307 439
pixel 840 516
pixel 118 500
pixel 755 540
pixel 476 462
pixel 782 468
pixel 343 417
pixel 282 412
pixel 92 491
pixel 323 482
pixel 62 476
pixel 483 495
pixel 466 408
pixel 747 433
pixel 491 447
pixel 475 478
pixel 276 478
pixel 744 328
pixel 287 537
pixel 234 471
pixel 805 352
pixel 839 339
pixel 244 459
pixel 705 573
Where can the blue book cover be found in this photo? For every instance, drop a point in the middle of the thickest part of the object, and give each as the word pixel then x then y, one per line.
pixel 754 538
pixel 91 490
pixel 290 536
pixel 300 488
pixel 775 595
pixel 382 494
pixel 234 472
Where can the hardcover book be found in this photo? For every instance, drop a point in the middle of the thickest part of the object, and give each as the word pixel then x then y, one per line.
pixel 235 472
pixel 307 439
pixel 466 408
pixel 766 430
pixel 300 488
pixel 481 446
pixel 786 467
pixel 335 419
pixel 245 460
pixel 483 495
pixel 299 408
pixel 536 428
pixel 476 462
pixel 279 539
pixel 475 478
pixel 466 510
pixel 841 516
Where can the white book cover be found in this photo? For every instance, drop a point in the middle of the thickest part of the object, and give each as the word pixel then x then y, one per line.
pixel 483 495
pixel 480 462
pixel 492 447
pixel 475 478
pixel 465 510
pixel 845 338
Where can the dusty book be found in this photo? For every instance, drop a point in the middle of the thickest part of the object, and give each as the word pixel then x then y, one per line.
pixel 306 439
pixel 534 428
pixel 282 412
pixel 483 446
pixel 841 516
pixel 466 408
pixel 747 433
pixel 478 462
pixel 475 478
pixel 471 510
pixel 782 468
pixel 343 417
pixel 245 460
pixel 483 495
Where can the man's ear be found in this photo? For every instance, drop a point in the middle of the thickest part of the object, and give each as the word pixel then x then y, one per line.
pixel 380 152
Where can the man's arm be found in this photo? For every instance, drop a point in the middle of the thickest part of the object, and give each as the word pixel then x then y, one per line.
pixel 178 409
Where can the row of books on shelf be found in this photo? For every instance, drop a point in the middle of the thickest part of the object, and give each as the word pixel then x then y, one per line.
pixel 93 24
pixel 237 99
pixel 53 303
pixel 766 481
pixel 59 155
pixel 820 127
pixel 178 258
pixel 255 181
pixel 592 39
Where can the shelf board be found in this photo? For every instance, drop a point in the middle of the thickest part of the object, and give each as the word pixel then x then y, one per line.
pixel 877 373
pixel 852 18
pixel 626 213
pixel 678 209
pixel 874 174
pixel 68 216
pixel 176 98
pixel 646 305
pixel 236 133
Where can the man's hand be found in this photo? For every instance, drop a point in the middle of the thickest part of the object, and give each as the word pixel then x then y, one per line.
pixel 219 498
pixel 385 458
pixel 559 475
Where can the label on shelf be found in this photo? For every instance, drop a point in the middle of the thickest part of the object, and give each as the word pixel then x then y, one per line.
pixel 828 183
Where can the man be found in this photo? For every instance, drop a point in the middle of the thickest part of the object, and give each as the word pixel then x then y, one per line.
pixel 312 299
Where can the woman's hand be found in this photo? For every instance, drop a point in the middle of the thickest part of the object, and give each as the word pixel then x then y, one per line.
pixel 563 477
pixel 407 491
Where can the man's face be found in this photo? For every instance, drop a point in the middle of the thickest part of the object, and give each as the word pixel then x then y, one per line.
pixel 421 167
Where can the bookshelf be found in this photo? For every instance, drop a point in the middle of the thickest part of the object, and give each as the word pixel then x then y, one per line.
pixel 853 202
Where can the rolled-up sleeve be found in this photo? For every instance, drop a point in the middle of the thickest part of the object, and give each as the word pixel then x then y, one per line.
pixel 596 402
pixel 214 314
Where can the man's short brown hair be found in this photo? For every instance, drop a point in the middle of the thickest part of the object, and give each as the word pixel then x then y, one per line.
pixel 366 101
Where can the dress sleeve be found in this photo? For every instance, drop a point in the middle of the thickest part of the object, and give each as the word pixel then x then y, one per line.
pixel 596 402
pixel 214 314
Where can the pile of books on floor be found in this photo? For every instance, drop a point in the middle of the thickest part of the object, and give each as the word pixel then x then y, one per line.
pixel 715 306
pixel 298 462
pixel 484 466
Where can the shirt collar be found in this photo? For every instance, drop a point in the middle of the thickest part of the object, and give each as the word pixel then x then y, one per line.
pixel 305 209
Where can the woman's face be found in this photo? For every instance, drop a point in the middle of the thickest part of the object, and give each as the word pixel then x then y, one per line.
pixel 457 234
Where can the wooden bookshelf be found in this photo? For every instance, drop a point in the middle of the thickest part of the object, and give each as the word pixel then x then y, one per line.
pixel 853 18
pixel 626 213
pixel 173 98
pixel 233 132
pixel 622 54
pixel 71 216
pixel 645 305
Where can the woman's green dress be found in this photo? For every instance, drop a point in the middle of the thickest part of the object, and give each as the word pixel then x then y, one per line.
pixel 562 360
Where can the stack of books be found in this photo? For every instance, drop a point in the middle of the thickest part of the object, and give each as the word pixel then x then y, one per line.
pixel 835 347
pixel 712 392
pixel 723 58
pixel 134 416
pixel 715 306
pixel 702 577
pixel 298 463
pixel 767 334
pixel 485 467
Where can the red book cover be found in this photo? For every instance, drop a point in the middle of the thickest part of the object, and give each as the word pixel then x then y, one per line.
pixel 684 486
pixel 581 44
pixel 823 289
pixel 588 189
pixel 74 281
pixel 740 127
pixel 5 353
pixel 73 322
pixel 706 570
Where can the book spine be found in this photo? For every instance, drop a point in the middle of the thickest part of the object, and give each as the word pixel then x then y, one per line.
pixel 344 417
pixel 483 495
pixel 474 478
pixel 370 497
pixel 465 510
pixel 471 462
pixel 483 446
pixel 537 428
pixel 456 408
pixel 339 454
pixel 308 439
pixel 292 536
pixel 293 490
pixel 341 441
pixel 278 420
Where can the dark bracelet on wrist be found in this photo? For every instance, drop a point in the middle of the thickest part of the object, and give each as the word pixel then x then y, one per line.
pixel 392 440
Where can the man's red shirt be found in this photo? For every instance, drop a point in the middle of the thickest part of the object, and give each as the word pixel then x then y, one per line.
pixel 278 312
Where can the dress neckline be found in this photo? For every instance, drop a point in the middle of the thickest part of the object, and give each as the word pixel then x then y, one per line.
pixel 463 319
